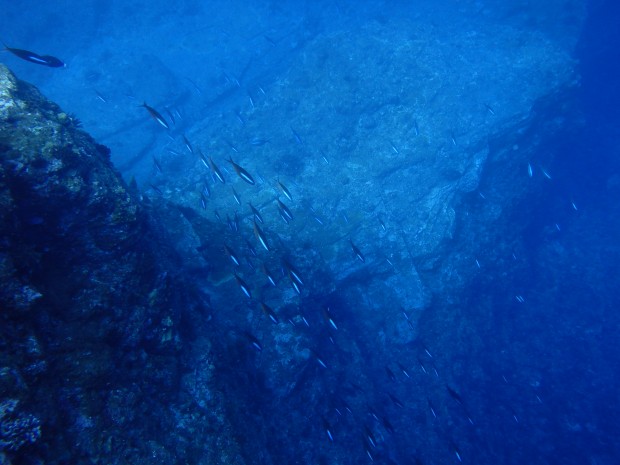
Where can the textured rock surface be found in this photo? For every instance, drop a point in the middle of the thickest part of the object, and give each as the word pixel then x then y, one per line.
pixel 93 301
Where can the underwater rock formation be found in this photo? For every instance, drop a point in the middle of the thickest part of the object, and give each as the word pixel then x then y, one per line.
pixel 92 299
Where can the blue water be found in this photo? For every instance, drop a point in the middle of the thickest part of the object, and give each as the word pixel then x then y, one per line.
pixel 521 367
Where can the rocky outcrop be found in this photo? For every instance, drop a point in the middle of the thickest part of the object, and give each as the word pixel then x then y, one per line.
pixel 93 300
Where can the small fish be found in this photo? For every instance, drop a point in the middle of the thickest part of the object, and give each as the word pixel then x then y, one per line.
pixel 267 273
pixel 545 173
pixel 45 60
pixel 233 256
pixel 285 212
pixel 395 401
pixel 241 172
pixel 430 406
pixel 357 252
pixel 156 115
pixel 170 115
pixel 236 196
pixel 387 425
pixel 292 272
pixel 530 170
pixel 285 191
pixel 156 189
pixel 328 318
pixel 243 286
pixel 239 117
pixel 382 224
pixel 216 171
pixel 268 311
pixel 328 430
pixel 206 191
pixel 416 130
pixel 251 248
pixel 204 160
pixel 368 450
pixel 489 109
pixel 422 366
pixel 187 144
pixel 157 164
pixel 369 436
pixel 297 289
pixel 318 358
pixel 457 453
pixel 297 136
pixel 574 205
pixel 390 374
pixel 258 141
pixel 256 213
pixel 260 235
pixel 404 370
pixel 455 395
pixel 100 97
pixel 453 139
pixel 253 341
pixel 203 201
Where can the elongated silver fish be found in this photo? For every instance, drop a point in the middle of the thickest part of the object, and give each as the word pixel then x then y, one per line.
pixel 241 172
pixel 260 235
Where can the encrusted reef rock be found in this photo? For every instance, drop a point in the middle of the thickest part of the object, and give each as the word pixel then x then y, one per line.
pixel 92 300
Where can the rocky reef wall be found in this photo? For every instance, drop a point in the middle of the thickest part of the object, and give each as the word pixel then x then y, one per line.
pixel 93 299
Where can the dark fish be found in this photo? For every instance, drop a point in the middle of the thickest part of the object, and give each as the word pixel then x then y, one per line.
pixel 157 164
pixel 390 374
pixel 216 171
pixel 396 401
pixel 251 248
pixel 187 144
pixel 404 370
pixel 171 116
pixel 45 60
pixel 268 311
pixel 236 196
pixel 369 436
pixel 367 449
pixel 233 256
pixel 256 213
pixel 328 318
pixel 430 406
pixel 387 425
pixel 257 141
pixel 241 172
pixel 267 273
pixel 455 395
pixel 244 287
pixel 285 213
pixel 328 430
pixel 156 115
pixel 292 272
pixel 260 235
pixel 318 358
pixel 285 191
pixel 204 160
pixel 357 252
pixel 253 341
pixel 297 136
